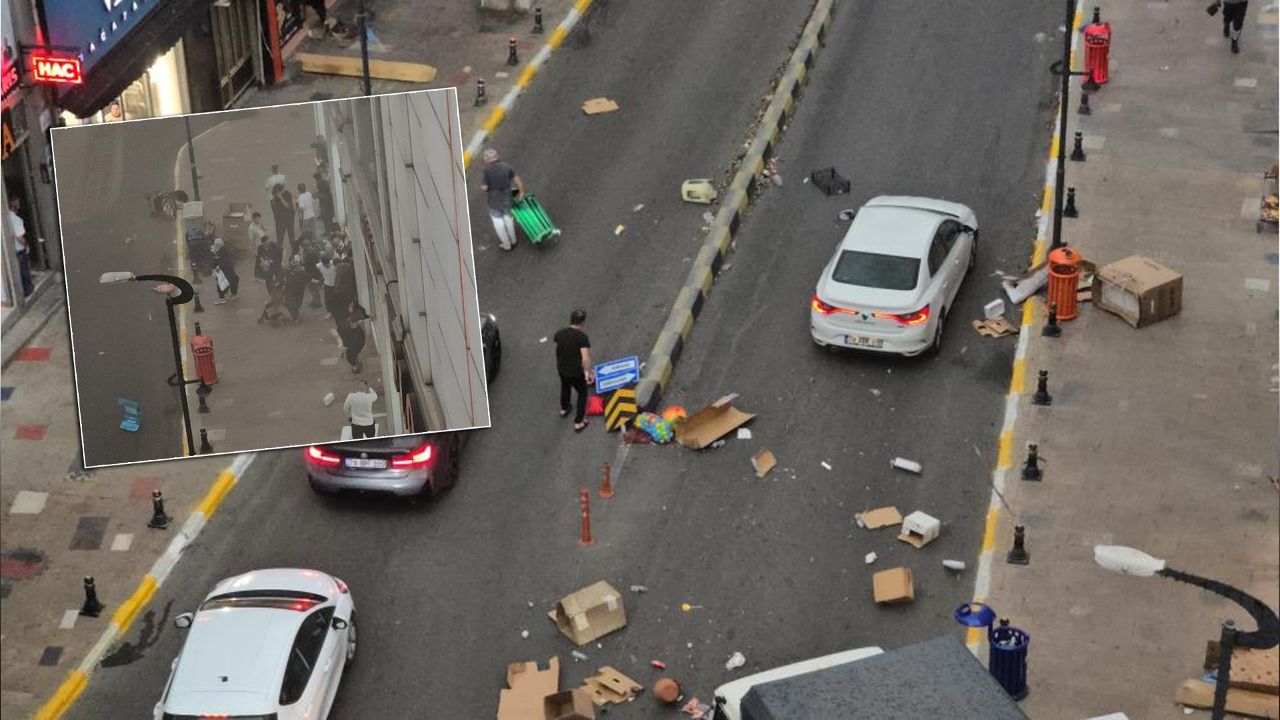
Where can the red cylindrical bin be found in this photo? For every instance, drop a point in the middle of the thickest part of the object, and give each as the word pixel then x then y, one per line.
pixel 1097 46
pixel 1064 275
pixel 202 351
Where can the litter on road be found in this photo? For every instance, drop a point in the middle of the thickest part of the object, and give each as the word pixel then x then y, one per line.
pixel 826 464
pixel 910 466
pixel 711 423
pixel 579 656
pixel 744 433
pixel 610 686
pixel 527 687
pixel 879 518
pixel 658 664
pixel 696 709
pixel 638 208
pixel 995 327
pixel 328 399
pixel 956 565
pixel 763 462
pixel 619 230
pixel 589 613
pixel 596 106
pixel 893 586
pixel 993 309
pixel 871 557
pixel 639 589
pixel 920 529
pixel 699 190
pixel 735 661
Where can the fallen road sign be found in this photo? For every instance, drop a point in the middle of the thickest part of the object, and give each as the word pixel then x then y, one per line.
pixel 617 373
pixel 620 409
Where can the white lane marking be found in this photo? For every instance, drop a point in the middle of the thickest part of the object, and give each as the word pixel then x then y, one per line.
pixel 68 619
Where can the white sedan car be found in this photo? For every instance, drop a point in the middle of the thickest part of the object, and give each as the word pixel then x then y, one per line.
pixel 265 645
pixel 894 276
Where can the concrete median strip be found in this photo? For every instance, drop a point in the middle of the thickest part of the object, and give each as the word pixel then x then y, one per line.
pixel 499 113
pixel 128 610
pixel 1017 385
pixel 719 239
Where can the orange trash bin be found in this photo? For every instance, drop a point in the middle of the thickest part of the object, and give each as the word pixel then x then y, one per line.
pixel 202 350
pixel 1064 276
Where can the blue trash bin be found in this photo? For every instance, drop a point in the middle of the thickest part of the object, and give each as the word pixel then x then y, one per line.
pixel 1007 659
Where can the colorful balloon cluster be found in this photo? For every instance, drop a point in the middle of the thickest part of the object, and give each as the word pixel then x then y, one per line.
pixel 660 430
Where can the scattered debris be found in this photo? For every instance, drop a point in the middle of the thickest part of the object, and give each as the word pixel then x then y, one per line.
pixel 620 229
pixel 744 433
pixel 879 518
pixel 711 423
pixel 639 589
pixel 686 607
pixel 845 215
pixel 579 656
pixel 589 613
pixel 735 661
pixel 1198 693
pixel 995 327
pixel 875 391
pixel 830 182
pixel 718 444
pixel 708 217
pixel 696 709
pixel 543 339
pixel 658 664
pixel 596 106
pixel 524 634
pixel 1251 669
pixel 920 529
pixel 636 436
pixel 1139 290
pixel 1024 287
pixel 893 586
pixel 611 686
pixel 871 557
pixel 659 430
pixel 572 704
pixel 956 565
pixel 638 208
pixel 527 686
pixel 328 399
pixel 764 461
pixel 910 466
pixel 667 691
pixel 501 75
pixel 700 190
pixel 993 309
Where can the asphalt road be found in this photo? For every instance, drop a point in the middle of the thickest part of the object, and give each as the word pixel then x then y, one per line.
pixel 445 589
pixel 120 333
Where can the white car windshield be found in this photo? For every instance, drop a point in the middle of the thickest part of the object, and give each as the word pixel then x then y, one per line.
pixel 873 270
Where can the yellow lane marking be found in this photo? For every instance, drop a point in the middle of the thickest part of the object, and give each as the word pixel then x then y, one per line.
pixel 557 37
pixel 495 118
pixel 128 610
pixel 526 77
pixel 989 534
pixel 66 694
pixel 1019 379
pixel 1004 456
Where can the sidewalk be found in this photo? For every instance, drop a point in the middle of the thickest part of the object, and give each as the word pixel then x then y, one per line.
pixel 460 41
pixel 271 380
pixel 1160 438
pixel 62 523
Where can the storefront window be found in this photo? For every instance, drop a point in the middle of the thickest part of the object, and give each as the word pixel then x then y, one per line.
pixel 157 93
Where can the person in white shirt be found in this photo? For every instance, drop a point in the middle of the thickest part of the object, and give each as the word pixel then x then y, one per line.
pixel 19 231
pixel 276 178
pixel 308 211
pixel 359 408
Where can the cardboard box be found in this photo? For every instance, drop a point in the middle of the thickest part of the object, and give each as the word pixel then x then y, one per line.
pixel 235 223
pixel 569 705
pixel 879 518
pixel 893 586
pixel 527 686
pixel 589 613
pixel 611 686
pixel 711 423
pixel 920 529
pixel 1138 289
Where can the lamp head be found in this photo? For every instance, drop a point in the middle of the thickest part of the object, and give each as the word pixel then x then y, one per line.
pixel 1127 560
pixel 108 278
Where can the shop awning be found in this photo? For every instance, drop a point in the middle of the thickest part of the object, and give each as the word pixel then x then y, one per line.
pixel 126 62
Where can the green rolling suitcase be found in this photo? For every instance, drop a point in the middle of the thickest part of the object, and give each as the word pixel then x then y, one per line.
pixel 533 220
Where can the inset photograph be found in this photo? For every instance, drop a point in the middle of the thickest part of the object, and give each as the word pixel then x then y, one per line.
pixel 272 277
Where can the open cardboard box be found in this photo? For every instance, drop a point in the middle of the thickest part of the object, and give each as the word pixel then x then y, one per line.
pixel 589 613
pixel 711 423
pixel 893 586
pixel 527 687
pixel 1139 290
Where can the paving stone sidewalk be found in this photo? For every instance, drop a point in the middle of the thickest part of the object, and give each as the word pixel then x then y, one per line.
pixel 458 38
pixel 271 380
pixel 61 523
pixel 1164 437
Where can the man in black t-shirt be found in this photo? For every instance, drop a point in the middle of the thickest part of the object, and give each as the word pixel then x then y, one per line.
pixel 573 362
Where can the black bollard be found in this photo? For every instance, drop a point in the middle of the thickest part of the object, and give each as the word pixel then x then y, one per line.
pixel 92 607
pixel 1084 104
pixel 1031 470
pixel 1052 328
pixel 199 307
pixel 481 97
pixel 537 20
pixel 1077 150
pixel 512 57
pixel 205 447
pixel 1097 15
pixel 202 394
pixel 159 520
pixel 1042 396
pixel 1070 209
pixel 1019 555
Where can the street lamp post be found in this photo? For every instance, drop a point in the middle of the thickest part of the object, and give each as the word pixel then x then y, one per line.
pixel 169 284
pixel 1131 561
pixel 1062 68
pixel 363 17
pixel 191 156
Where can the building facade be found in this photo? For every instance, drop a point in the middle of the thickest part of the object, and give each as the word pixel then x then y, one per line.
pixel 398 160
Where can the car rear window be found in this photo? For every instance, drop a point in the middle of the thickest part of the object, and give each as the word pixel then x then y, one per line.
pixel 886 272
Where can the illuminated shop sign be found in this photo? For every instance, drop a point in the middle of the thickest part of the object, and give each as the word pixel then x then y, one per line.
pixel 94 26
pixel 55 69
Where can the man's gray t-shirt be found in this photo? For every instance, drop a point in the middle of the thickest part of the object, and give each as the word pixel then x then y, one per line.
pixel 498 177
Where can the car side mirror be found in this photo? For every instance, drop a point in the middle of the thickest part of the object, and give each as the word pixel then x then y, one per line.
pixel 339 624
pixel 183 621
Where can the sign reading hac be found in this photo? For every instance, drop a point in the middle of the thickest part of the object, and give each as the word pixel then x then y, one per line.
pixel 94 26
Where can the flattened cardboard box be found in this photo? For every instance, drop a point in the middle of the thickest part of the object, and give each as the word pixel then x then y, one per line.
pixel 880 517
pixel 711 423
pixel 527 687
pixel 1139 290
pixel 589 613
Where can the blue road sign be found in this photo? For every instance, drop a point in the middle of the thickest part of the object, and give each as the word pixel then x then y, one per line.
pixel 617 373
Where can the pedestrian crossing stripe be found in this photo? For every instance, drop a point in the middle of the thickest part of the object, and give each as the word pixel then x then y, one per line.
pixel 620 409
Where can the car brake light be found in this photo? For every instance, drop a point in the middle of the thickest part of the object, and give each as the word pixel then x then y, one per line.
pixel 342 587
pixel 823 308
pixel 320 457
pixel 302 605
pixel 418 458
pixel 918 317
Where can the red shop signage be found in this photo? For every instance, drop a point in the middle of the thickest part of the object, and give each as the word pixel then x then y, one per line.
pixel 57 69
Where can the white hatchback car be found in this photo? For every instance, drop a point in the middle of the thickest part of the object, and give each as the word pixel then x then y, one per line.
pixel 265 645
pixel 894 276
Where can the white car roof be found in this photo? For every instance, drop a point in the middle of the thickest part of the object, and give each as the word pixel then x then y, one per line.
pixel 233 661
pixel 298 579
pixel 892 230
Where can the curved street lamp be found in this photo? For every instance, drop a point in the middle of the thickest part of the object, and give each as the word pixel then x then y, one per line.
pixel 177 291
pixel 1131 561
